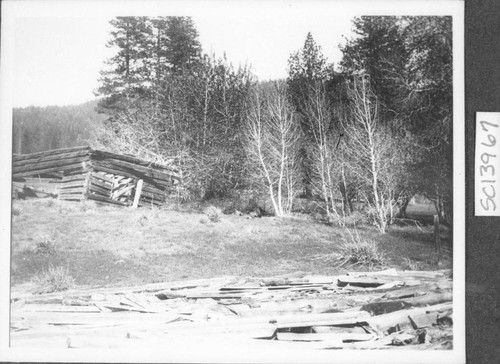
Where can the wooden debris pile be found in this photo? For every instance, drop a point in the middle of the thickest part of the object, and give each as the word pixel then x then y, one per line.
pixel 82 173
pixel 381 310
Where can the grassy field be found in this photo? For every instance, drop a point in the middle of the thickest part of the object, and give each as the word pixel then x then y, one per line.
pixel 106 245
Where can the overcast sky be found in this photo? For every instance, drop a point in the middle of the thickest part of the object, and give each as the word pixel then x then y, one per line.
pixel 57 60
pixel 59 48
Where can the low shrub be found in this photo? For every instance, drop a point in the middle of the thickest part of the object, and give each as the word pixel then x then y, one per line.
pixel 411 264
pixel 213 213
pixel 45 248
pixel 361 252
pixel 143 219
pixel 55 279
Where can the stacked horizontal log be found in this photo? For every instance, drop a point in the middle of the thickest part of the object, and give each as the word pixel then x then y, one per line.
pixel 159 181
pixel 311 312
pixel 50 162
pixel 152 195
pixel 98 175
pixel 73 187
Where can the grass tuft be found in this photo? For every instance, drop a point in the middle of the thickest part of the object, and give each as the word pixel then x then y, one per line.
pixel 16 211
pixel 361 252
pixel 55 279
pixel 214 214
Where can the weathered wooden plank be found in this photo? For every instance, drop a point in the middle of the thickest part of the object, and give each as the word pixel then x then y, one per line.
pixel 99 198
pixel 59 308
pixel 214 296
pixel 385 322
pixel 242 288
pixel 49 164
pixel 78 192
pixel 100 191
pixel 47 181
pixel 78 318
pixel 103 177
pixel 139 170
pixel 361 281
pixel 425 274
pixel 152 189
pixel 132 174
pixel 146 288
pixel 75 166
pixel 272 308
pixel 70 184
pixel 83 154
pixel 323 319
pixel 96 182
pixel 290 336
pixel 430 299
pixel 99 154
pixel 418 290
pixel 73 177
pixel 118 193
pixel 72 191
pixel 20 157
pixel 115 307
pixel 339 329
pixel 121 181
pixel 137 194
pixel 155 196
pixel 380 308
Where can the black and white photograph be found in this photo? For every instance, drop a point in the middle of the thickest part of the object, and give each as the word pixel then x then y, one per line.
pixel 245 181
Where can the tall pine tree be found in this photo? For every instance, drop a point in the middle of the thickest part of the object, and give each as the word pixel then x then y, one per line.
pixel 183 47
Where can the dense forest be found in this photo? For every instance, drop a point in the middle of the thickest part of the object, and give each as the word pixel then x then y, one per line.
pixel 377 128
pixel 42 128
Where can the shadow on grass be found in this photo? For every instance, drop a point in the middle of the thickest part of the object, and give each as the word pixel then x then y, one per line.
pixel 86 267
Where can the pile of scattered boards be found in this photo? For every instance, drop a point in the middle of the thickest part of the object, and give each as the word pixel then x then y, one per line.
pixel 383 310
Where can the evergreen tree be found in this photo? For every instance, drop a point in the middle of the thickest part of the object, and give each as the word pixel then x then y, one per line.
pixel 308 71
pixel 148 50
pixel 305 68
pixel 183 47
pixel 128 74
pixel 409 62
pixel 378 50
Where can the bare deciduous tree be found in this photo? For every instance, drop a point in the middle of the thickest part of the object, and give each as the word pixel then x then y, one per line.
pixel 373 156
pixel 326 157
pixel 273 141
